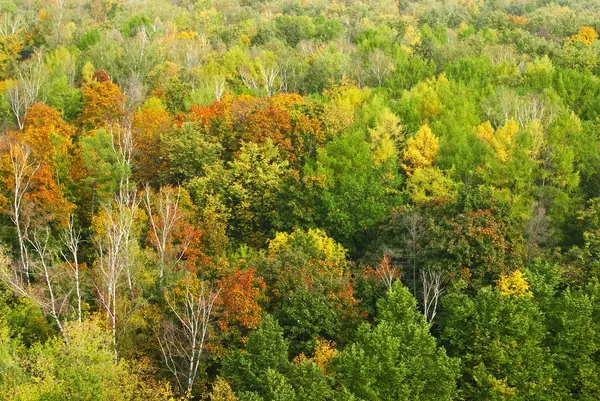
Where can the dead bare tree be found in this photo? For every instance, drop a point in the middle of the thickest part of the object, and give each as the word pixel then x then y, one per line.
pixel 112 248
pixel 46 291
pixel 17 102
pixel 387 272
pixel 71 239
pixel 11 24
pixel 163 215
pixel 414 230
pixel 380 65
pixel 126 200
pixel 27 88
pixel 432 281
pixel 115 237
pixel 247 77
pixel 183 339
pixel 45 259
pixel 24 166
pixel 269 76
pixel 218 86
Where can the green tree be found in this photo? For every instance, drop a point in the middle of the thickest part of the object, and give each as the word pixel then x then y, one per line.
pixel 310 289
pixel 263 372
pixel 351 194
pixel 188 152
pixel 500 340
pixel 246 190
pixel 81 366
pixel 398 358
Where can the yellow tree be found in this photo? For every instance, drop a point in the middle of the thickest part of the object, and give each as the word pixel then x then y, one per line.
pixel 103 102
pixel 426 184
pixel 150 122
pixel 421 150
pixel 501 140
pixel 514 284
pixel 385 137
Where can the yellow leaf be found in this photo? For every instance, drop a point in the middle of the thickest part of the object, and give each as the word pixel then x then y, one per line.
pixel 420 150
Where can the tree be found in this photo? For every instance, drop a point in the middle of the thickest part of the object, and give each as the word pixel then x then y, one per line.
pixel 184 336
pixel 386 137
pixel 428 184
pixel 12 41
pixel 253 181
pixel 240 293
pixel 501 140
pixel 80 367
pixel 587 35
pixel 23 166
pixel 113 238
pixel 221 391
pixel 571 329
pixel 71 239
pixel 48 288
pixel 380 66
pixel 51 140
pixel 103 102
pixel 421 150
pixel 168 221
pixel 263 371
pixel 351 195
pixel 28 88
pixel 150 123
pixel 13 374
pixel 188 153
pixel 310 290
pixel 482 331
pixel 469 237
pixel 398 358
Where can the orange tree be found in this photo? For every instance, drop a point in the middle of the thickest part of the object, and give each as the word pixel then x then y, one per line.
pixel 289 121
pixel 103 102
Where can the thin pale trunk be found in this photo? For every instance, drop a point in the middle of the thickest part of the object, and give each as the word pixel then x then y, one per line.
pixel 77 290
pixel 52 300
pixel 114 324
pixel 23 250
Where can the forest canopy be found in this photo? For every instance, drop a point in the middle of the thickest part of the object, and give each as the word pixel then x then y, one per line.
pixel 267 200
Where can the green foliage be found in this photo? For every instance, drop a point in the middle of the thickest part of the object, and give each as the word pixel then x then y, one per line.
pixel 499 361
pixel 88 39
pixel 398 358
pixel 62 96
pixel 294 29
pixel 247 188
pixel 79 367
pixel 352 194
pixel 135 24
pixel 188 152
pixel 343 164
pixel 262 371
pixel 311 289
pixel 101 161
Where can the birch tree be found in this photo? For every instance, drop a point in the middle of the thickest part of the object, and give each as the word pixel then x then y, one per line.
pixel 164 213
pixel 24 166
pixel 27 89
pixel 114 236
pixel 48 287
pixel 71 239
pixel 183 337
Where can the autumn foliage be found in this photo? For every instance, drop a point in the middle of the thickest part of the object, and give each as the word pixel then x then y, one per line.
pixel 287 120
pixel 586 35
pixel 103 102
pixel 240 294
